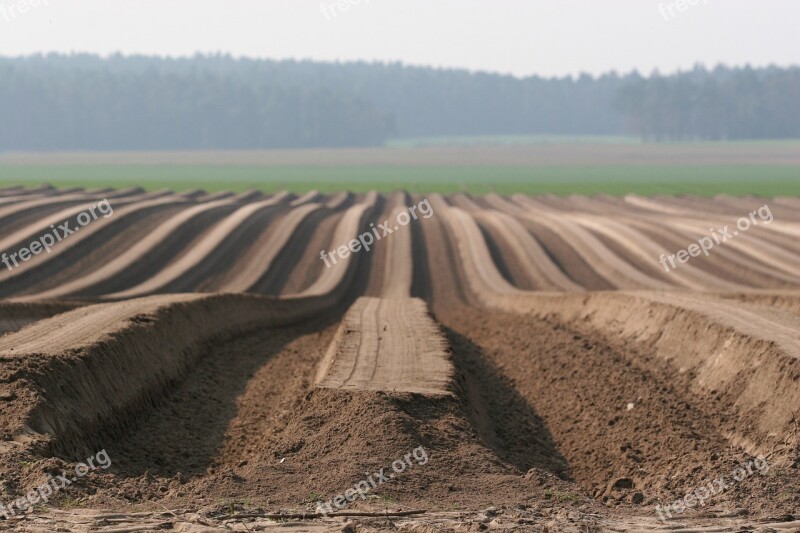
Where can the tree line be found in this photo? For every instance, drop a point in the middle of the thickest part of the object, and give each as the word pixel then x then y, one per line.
pixel 722 104
pixel 85 102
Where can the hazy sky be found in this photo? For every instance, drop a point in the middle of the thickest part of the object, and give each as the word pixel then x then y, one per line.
pixel 547 37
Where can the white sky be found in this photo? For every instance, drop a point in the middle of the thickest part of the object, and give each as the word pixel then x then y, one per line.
pixel 546 37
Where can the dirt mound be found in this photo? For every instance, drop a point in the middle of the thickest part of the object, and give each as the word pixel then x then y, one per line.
pixel 744 356
pixel 631 428
pixel 526 361
pixel 388 345
pixel 118 359
pixel 16 315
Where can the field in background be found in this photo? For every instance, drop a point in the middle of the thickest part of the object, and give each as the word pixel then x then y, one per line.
pixel 502 164
pixel 494 140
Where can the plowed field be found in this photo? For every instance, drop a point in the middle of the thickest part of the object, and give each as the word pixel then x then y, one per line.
pixel 554 373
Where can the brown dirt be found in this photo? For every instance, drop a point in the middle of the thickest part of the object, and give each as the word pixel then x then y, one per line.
pixel 615 412
pixel 580 407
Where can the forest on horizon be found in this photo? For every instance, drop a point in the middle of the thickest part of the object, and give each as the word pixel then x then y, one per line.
pixel 85 102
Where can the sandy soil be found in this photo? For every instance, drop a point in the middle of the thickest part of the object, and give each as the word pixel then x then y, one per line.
pixel 524 359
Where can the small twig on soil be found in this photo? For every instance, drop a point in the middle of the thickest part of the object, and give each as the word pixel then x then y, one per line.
pixel 167 511
pixel 116 515
pixel 784 518
pixel 149 527
pixel 278 516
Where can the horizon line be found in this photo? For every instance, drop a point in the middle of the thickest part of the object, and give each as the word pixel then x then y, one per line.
pixel 388 62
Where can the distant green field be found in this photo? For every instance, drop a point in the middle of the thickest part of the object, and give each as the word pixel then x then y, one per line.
pixel 614 180
pixel 478 165
pixel 493 140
